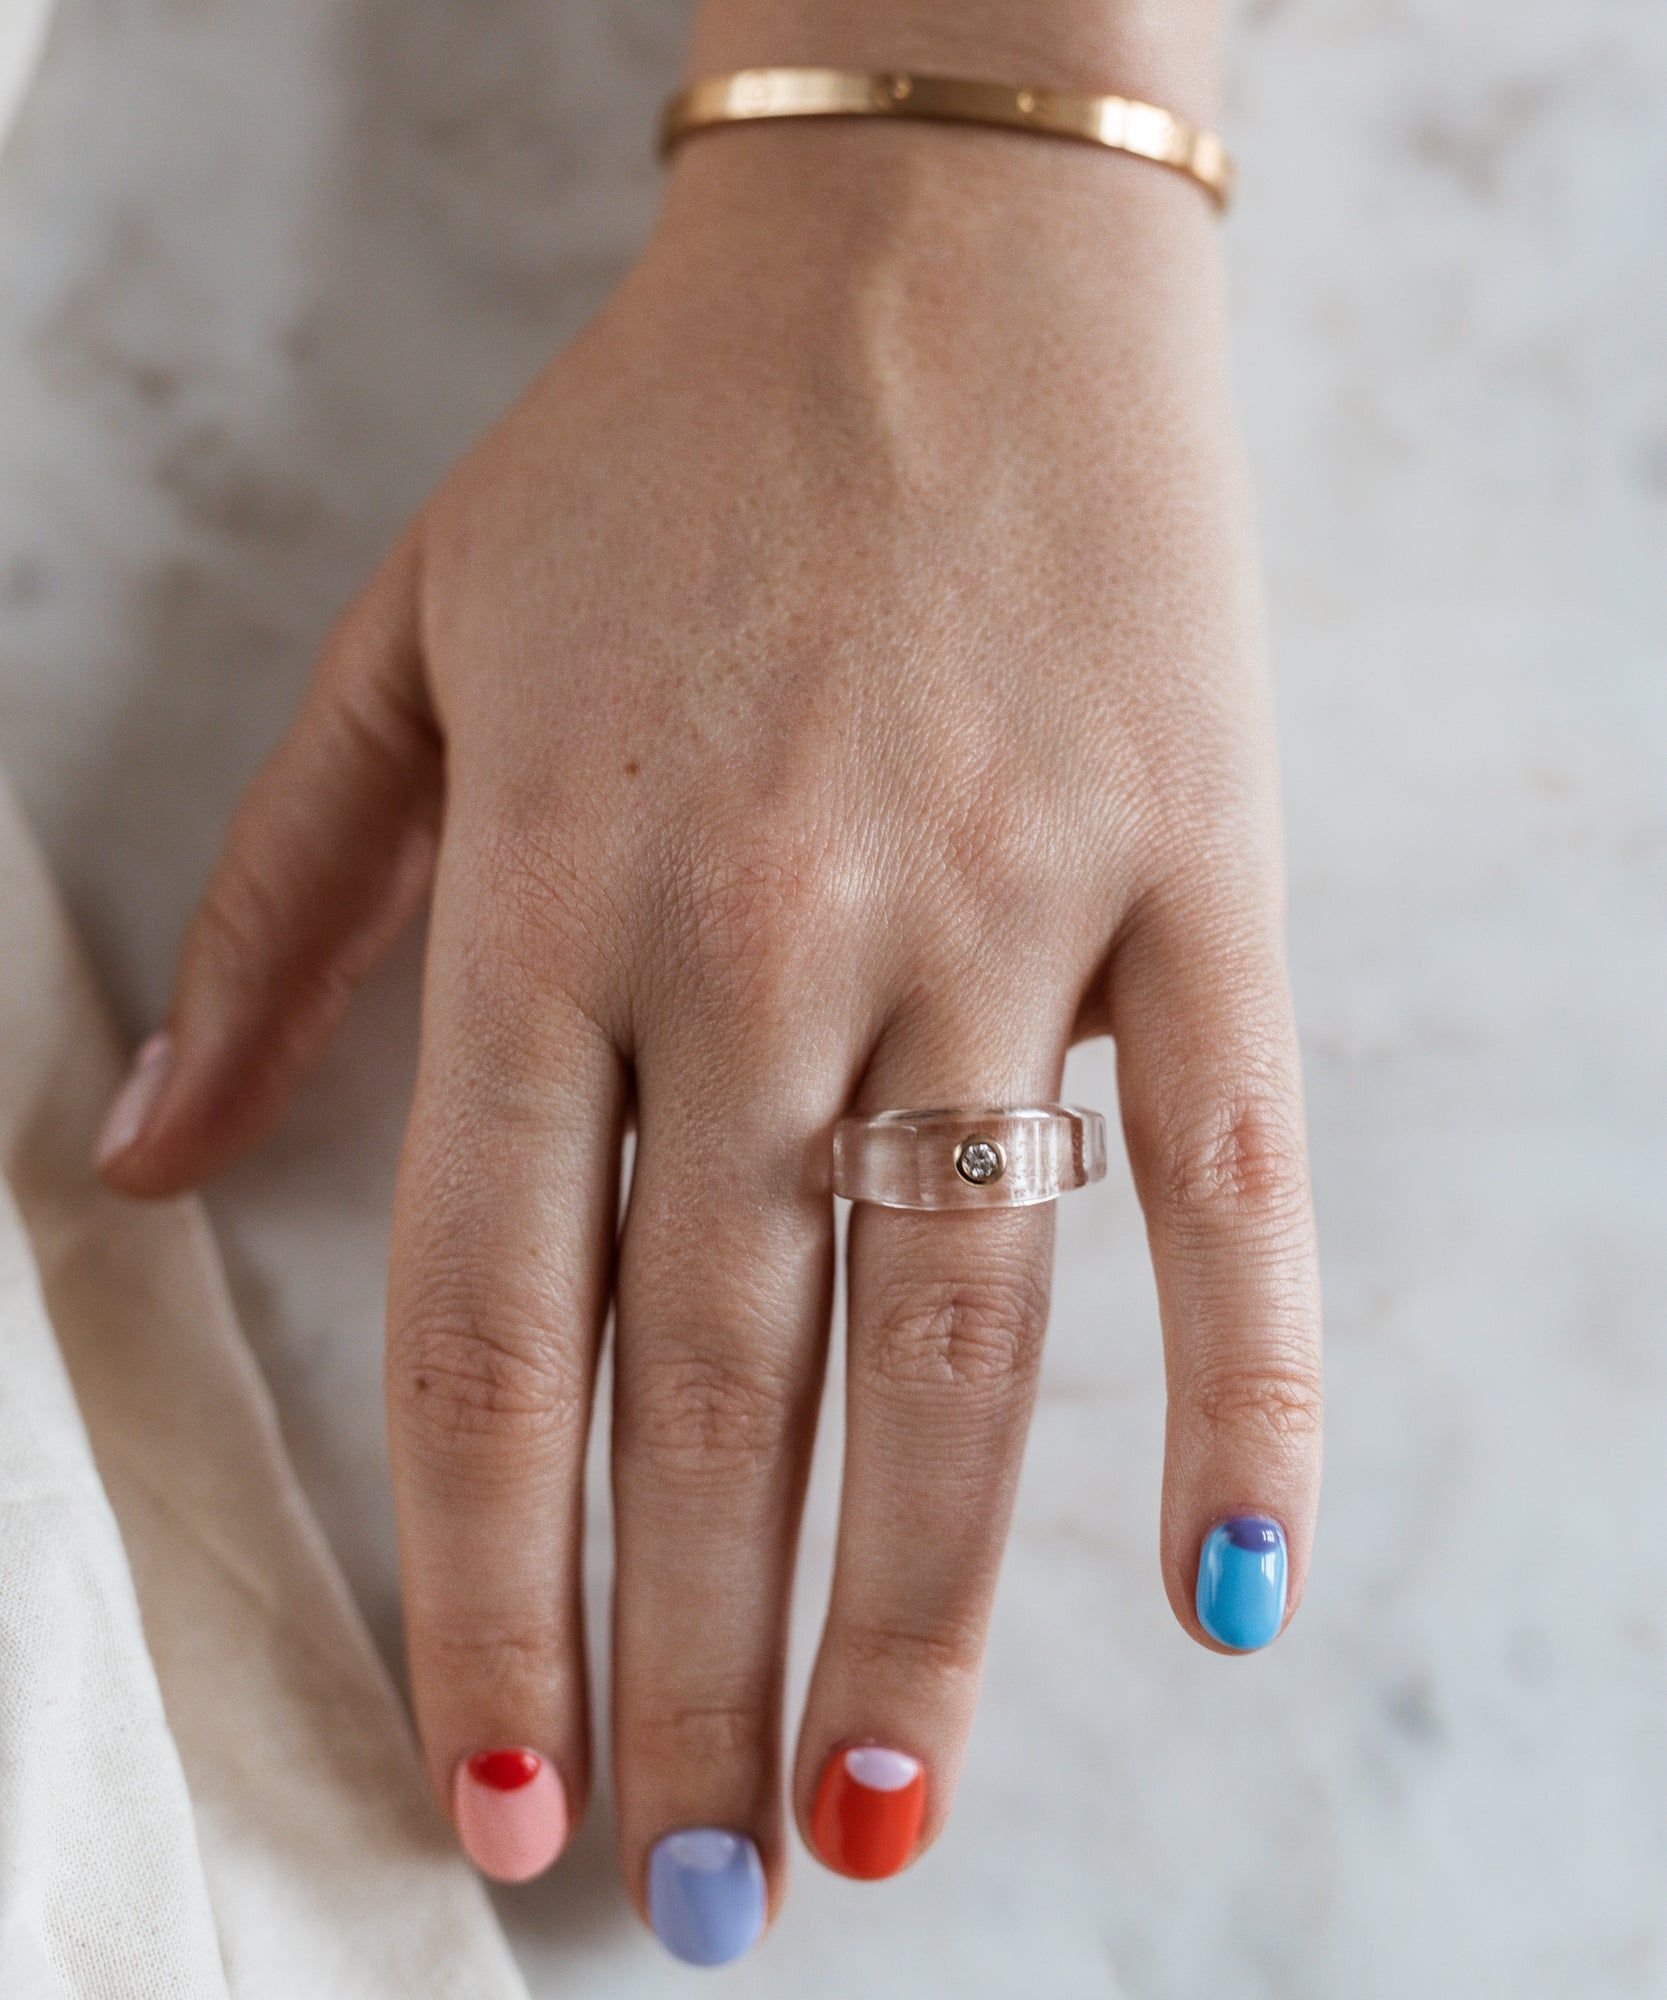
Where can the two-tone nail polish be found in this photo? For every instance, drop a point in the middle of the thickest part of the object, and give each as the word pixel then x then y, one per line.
pixel 510 1810
pixel 870 1803
pixel 706 1894
pixel 1242 1582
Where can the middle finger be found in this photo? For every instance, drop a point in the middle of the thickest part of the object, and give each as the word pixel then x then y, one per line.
pixel 724 1290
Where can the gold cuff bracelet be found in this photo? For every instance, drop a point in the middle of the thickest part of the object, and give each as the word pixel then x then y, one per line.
pixel 1121 123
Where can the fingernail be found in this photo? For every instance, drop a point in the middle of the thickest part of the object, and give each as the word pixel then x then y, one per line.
pixel 511 1812
pixel 705 1894
pixel 133 1103
pixel 869 1806
pixel 1241 1582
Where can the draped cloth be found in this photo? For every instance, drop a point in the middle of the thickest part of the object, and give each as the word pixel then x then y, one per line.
pixel 207 1784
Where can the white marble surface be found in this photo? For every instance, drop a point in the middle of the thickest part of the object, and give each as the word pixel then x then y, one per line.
pixel 267 268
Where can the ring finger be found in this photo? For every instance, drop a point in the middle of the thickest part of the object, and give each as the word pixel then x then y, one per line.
pixel 947 1312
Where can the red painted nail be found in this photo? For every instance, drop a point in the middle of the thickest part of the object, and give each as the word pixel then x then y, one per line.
pixel 868 1811
pixel 511 1812
pixel 505 1770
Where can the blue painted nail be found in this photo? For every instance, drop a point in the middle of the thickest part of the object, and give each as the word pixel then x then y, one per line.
pixel 705 1894
pixel 1241 1582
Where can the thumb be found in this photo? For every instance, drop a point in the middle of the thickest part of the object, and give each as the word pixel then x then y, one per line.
pixel 327 859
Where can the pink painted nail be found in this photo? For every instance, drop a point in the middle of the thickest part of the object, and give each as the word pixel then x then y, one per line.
pixel 134 1102
pixel 511 1812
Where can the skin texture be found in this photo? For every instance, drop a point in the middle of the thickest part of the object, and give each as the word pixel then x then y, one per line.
pixel 837 683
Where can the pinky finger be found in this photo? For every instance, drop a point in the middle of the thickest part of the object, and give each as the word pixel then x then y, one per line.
pixel 1212 1107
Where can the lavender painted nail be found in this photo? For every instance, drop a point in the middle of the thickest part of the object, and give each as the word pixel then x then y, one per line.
pixel 706 1894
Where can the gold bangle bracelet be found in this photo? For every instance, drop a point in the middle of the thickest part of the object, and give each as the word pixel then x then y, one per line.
pixel 1121 123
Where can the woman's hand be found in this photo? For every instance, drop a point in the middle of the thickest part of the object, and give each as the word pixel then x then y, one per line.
pixel 838 684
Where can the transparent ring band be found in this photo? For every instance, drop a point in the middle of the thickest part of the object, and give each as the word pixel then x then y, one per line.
pixel 1001 1156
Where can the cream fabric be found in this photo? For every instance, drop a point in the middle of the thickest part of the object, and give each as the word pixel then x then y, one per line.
pixel 206 1783
pixel 207 1788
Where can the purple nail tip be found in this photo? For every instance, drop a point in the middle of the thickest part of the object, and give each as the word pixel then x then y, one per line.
pixel 1252 1531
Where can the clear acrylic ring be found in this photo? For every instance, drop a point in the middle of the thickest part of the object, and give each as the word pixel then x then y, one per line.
pixel 1007 1156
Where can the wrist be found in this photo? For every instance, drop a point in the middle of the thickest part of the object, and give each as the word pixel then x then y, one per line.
pixel 829 189
pixel 906 266
pixel 850 196
pixel 858 197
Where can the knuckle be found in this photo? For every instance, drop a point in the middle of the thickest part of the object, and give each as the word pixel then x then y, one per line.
pixel 945 1651
pixel 525 948
pixel 498 1661
pixel 697 1413
pixel 1238 1159
pixel 460 1376
pixel 530 900
pixel 718 1727
pixel 515 865
pixel 749 911
pixel 972 1331
pixel 1007 868
pixel 240 915
pixel 1000 862
pixel 1246 1399
pixel 387 734
pixel 238 939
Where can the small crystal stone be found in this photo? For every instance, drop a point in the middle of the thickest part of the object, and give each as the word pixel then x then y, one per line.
pixel 979 1161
